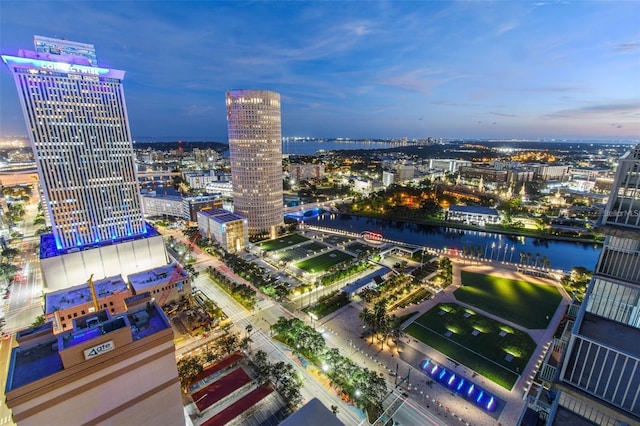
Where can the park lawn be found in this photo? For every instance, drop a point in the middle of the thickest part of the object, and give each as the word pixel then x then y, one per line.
pixel 496 374
pixel 449 328
pixel 282 242
pixel 323 261
pixel 528 304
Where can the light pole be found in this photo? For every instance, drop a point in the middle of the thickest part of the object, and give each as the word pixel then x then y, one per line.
pixel 493 245
pixel 504 256
pixel 511 258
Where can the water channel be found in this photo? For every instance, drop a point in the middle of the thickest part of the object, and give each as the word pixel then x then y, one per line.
pixel 501 247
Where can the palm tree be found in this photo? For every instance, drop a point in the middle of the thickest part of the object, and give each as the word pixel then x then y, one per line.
pixel 366 316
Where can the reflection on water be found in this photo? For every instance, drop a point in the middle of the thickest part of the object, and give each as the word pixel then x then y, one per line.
pixel 561 254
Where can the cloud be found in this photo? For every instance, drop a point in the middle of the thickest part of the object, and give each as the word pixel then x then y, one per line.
pixel 502 114
pixel 627 47
pixel 621 109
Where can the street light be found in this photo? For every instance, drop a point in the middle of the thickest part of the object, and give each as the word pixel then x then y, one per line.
pixel 493 245
pixel 511 258
pixel 504 256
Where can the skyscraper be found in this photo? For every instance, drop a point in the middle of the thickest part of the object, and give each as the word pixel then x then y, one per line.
pixel 77 123
pixel 255 147
pixel 598 376
pixel 76 118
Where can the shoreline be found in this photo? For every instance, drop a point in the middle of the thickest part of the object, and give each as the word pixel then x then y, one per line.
pixel 455 225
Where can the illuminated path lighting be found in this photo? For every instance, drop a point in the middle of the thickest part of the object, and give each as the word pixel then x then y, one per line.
pixel 463 387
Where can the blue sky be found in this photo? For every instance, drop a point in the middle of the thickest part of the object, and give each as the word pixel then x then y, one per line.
pixel 357 69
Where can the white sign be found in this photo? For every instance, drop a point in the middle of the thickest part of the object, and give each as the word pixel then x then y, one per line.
pixel 61 66
pixel 99 350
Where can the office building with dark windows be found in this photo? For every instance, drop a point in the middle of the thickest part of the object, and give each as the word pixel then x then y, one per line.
pixel 255 151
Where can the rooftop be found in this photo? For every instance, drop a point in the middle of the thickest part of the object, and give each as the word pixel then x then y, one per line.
pixel 221 215
pixel 80 294
pixel 153 277
pixel 473 210
pixel 48 247
pixel 40 358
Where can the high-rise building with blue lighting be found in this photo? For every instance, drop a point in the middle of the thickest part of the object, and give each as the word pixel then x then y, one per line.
pixel 77 122
pixel 76 119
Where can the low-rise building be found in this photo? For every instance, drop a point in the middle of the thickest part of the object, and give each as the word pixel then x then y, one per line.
pixel 230 230
pixel 473 215
pixel 165 284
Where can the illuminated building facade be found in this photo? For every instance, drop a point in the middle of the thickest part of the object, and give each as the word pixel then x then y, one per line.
pixel 255 151
pixel 76 118
pixel 78 127
pixel 230 230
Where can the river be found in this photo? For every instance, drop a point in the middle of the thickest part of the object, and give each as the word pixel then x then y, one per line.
pixel 562 254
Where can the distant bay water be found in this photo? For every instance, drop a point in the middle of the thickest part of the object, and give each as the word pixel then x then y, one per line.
pixel 312 147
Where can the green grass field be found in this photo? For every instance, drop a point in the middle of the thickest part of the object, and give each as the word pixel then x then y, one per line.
pixel 476 341
pixel 530 305
pixel 282 242
pixel 324 261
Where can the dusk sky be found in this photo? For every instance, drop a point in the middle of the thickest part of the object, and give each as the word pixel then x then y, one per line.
pixel 359 69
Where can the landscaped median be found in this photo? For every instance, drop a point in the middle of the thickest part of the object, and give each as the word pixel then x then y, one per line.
pixel 488 347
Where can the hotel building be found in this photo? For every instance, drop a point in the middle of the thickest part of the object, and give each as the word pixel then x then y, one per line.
pixel 76 118
pixel 108 369
pixel 593 370
pixel 255 151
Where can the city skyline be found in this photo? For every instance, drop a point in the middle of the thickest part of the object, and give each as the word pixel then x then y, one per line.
pixel 358 69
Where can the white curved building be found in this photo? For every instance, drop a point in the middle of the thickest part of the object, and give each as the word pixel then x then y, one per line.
pixel 255 150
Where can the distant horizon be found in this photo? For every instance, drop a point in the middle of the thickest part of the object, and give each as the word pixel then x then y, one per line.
pixel 299 139
pixel 457 69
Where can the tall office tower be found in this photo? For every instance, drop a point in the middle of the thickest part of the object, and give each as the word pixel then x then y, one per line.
pixel 76 118
pixel 599 374
pixel 56 46
pixel 255 147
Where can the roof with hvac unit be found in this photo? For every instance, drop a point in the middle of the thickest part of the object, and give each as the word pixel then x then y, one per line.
pixel 80 294
pixel 157 276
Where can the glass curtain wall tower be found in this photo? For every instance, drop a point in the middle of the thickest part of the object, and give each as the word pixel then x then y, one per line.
pixel 77 122
pixel 255 148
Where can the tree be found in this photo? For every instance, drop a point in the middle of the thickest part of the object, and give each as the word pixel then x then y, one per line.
pixel 230 343
pixel 188 370
pixel 39 320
